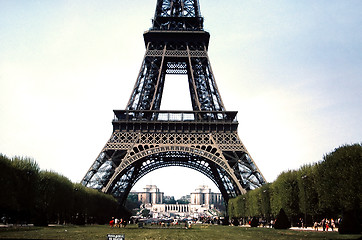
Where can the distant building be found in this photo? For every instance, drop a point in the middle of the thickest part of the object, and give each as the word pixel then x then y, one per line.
pixel 151 195
pixel 200 203
pixel 203 195
pixel 182 210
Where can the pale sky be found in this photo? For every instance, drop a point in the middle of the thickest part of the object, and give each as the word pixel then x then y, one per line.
pixel 292 69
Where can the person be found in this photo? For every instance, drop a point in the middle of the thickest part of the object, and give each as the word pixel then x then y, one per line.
pixel 111 223
pixel 324 224
pixel 272 222
pixel 327 225
pixel 124 222
pixel 116 222
pixel 315 225
pixel 332 224
pixel 301 223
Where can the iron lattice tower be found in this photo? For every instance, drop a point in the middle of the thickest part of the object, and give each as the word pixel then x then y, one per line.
pixel 145 139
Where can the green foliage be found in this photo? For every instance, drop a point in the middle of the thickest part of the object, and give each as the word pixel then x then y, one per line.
pixel 231 208
pixel 253 201
pixel 132 203
pixel 41 197
pixel 325 189
pixel 170 200
pixel 182 201
pixel 99 206
pixel 308 195
pixel 54 191
pixel 350 224
pixel 254 222
pixel 25 183
pixel 338 176
pixel 285 194
pixel 287 184
pixel 240 207
pixel 145 212
pixel 265 200
pixel 8 197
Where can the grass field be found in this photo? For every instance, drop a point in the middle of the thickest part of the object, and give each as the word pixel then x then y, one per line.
pixel 199 232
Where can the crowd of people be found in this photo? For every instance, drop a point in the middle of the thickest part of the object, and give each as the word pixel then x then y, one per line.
pixel 115 222
pixel 326 224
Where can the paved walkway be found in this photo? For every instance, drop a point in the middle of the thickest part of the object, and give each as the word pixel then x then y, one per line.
pixel 312 229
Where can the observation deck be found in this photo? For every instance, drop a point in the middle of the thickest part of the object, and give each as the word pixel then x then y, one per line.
pixel 174 121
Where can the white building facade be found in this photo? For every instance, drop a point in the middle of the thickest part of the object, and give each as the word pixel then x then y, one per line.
pixel 202 203
pixel 203 195
pixel 151 195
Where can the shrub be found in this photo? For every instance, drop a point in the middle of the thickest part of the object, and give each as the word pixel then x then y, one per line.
pixel 349 224
pixel 254 222
pixel 282 221
pixel 235 221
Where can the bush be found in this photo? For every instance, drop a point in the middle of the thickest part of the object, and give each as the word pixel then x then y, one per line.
pixel 254 222
pixel 29 195
pixel 282 221
pixel 235 221
pixel 349 224
pixel 324 189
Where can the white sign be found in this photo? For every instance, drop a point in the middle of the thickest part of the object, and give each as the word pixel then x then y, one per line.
pixel 115 237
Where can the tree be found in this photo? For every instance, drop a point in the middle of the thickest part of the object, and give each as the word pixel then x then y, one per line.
pixel 253 202
pixel 29 195
pixel 232 208
pixel 169 200
pixel 8 200
pixel 26 180
pixel 285 194
pixel 265 192
pixel 308 195
pixel 145 212
pixel 325 189
pixel 350 224
pixel 240 207
pixel 182 201
pixel 132 203
pixel 100 206
pixel 80 204
pixel 337 180
pixel 53 202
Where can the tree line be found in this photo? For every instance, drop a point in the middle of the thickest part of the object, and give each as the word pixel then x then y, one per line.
pixel 326 189
pixel 29 195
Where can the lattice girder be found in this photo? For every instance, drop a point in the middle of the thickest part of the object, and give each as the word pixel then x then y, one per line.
pixel 163 58
pixel 177 15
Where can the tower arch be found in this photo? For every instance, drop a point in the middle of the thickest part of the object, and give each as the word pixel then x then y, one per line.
pixel 144 162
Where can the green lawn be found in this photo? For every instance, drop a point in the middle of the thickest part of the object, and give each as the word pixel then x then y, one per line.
pixel 199 232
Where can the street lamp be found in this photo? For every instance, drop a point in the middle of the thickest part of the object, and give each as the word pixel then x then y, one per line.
pixel 244 210
pixel 266 204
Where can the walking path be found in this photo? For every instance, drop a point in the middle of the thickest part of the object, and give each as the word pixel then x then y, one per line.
pixel 312 229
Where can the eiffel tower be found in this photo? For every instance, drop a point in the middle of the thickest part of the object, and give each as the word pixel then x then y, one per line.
pixel 145 138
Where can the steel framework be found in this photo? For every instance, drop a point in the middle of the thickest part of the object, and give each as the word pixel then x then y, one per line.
pixel 145 138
